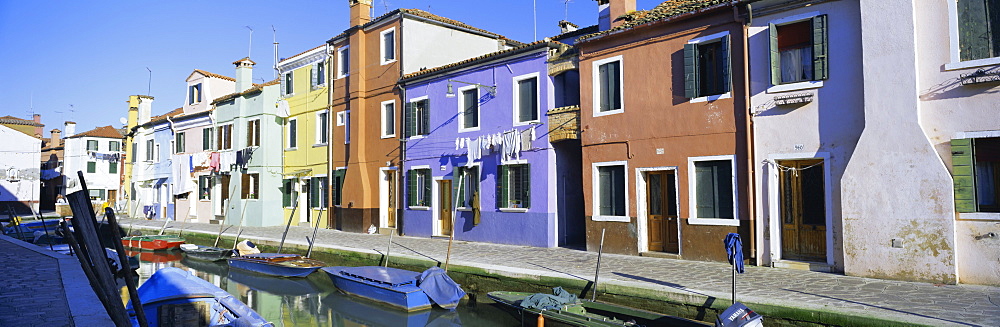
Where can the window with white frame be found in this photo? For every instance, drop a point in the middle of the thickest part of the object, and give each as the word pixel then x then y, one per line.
pixel 250 186
pixel 179 139
pixel 289 192
pixel 92 145
pixel 611 198
pixel 318 74
pixel 205 184
pixel 976 172
pixel 712 188
pixel 207 135
pixel 706 67
pixel 194 93
pixel 253 132
pixel 468 108
pixel 292 127
pixel 798 49
pixel 419 186
pixel 114 146
pixel 388 46
pixel 526 99
pixel 978 28
pixel 339 176
pixel 417 117
pixel 607 76
pixel 344 119
pixel 287 84
pixel 388 118
pixel 224 137
pixel 322 127
pixel 150 148
pixel 317 192
pixel 156 152
pixel 343 62
pixel 515 186
pixel 467 182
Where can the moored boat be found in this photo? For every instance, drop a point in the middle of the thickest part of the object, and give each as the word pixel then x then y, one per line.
pixel 174 297
pixel 155 256
pixel 403 289
pixel 206 253
pixel 275 264
pixel 566 309
pixel 153 242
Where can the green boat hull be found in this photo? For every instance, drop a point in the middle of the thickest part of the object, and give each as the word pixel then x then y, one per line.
pixel 589 313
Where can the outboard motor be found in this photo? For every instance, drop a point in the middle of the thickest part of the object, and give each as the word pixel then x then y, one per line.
pixel 738 315
pixel 246 247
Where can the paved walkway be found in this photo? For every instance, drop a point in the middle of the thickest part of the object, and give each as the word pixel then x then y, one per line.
pixel 39 287
pixel 693 282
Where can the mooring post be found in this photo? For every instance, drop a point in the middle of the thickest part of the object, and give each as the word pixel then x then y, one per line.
pixel 597 272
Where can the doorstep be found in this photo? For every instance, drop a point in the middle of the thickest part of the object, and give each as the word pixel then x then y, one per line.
pixel 802 265
pixel 663 255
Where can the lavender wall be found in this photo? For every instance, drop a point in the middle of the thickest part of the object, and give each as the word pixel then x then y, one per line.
pixel 537 226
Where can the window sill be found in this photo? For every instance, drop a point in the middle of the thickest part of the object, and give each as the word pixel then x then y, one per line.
pixel 726 95
pixel 419 208
pixel 972 63
pixel 388 136
pixel 470 129
pixel 342 76
pixel 320 144
pixel 291 149
pixel 714 221
pixel 317 87
pixel 528 122
pixel 463 209
pixel 795 86
pixel 204 200
pixel 623 219
pixel 416 137
pixel 388 62
pixel 513 209
pixel 979 215
pixel 598 112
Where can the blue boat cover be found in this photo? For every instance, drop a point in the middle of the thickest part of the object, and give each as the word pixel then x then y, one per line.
pixel 542 301
pixel 384 275
pixel 440 288
pixel 172 283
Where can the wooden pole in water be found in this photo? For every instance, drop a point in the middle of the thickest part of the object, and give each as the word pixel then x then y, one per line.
pixel 391 231
pixel 165 221
pixel 219 236
pixel 454 211
pixel 290 216
pixel 600 250
pixel 240 231
pixel 123 258
pixel 315 229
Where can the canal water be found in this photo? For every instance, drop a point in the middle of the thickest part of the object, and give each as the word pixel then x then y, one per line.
pixel 314 301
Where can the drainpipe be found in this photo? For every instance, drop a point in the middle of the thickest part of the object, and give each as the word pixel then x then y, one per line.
pixel 402 136
pixel 329 147
pixel 748 111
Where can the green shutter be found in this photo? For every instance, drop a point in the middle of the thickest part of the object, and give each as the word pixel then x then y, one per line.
pixel 691 70
pixel 91 167
pixel 973 30
pixel 314 193
pixel 411 188
pixel 427 187
pixel 821 65
pixel 605 189
pixel 503 185
pixel 526 186
pixel 409 122
pixel 963 174
pixel 614 85
pixel 425 118
pixel 602 73
pixel 775 55
pixel 725 51
pixel 286 191
pixel 113 167
pixel 456 187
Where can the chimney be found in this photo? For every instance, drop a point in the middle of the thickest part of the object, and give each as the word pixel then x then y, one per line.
pixel 145 105
pixel 566 27
pixel 244 74
pixel 70 128
pixel 361 11
pixel 38 121
pixel 54 139
pixel 608 12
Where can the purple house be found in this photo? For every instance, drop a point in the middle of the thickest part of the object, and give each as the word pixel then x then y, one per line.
pixel 478 149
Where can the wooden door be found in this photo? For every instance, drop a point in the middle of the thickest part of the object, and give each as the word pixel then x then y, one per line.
pixel 112 196
pixel 661 206
pixel 803 210
pixel 390 214
pixel 444 205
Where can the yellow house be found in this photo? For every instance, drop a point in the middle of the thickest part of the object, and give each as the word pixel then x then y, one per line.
pixel 306 136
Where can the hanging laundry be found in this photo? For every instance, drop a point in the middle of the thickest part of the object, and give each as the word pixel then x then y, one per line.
pixel 214 161
pixel 526 139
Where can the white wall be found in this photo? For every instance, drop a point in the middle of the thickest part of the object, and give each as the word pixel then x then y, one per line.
pixel 20 152
pixel 427 45
pixel 76 159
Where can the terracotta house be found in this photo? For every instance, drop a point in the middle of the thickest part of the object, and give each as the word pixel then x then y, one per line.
pixel 663 123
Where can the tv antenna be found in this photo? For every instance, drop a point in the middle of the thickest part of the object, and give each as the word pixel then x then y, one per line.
pixel 274 37
pixel 250 46
pixel 566 10
pixel 149 84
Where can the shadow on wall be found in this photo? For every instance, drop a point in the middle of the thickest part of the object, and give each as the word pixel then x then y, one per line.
pixel 952 88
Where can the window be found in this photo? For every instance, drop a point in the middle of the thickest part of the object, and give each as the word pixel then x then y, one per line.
pixel 194 93
pixel 135 151
pixel 419 187
pixel 611 198
pixel 114 146
pixel 287 87
pixel 96 195
pixel 515 187
pixel 318 74
pixel 251 186
pixel 293 133
pixel 526 98
pixel 388 119
pixel 289 193
pixel 347 125
pixel 343 62
pixel 607 76
pixel 978 29
pixel 417 120
pixel 317 192
pixel 466 192
pixel 156 153
pixel 112 167
pixel 179 142
pixel 92 145
pixel 253 132
pixel 976 170
pixel 322 127
pixel 468 109
pixel 706 67
pixel 91 167
pixel 150 147
pixel 339 176
pixel 388 48
pixel 205 188
pixel 206 138
pixel 711 181
pixel 798 50
pixel 224 137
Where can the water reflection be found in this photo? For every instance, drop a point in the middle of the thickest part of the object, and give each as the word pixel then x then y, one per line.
pixel 314 301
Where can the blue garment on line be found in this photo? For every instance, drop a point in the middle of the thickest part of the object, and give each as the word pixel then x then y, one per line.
pixel 734 248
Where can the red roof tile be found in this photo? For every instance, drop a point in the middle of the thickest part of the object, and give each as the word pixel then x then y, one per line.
pixel 104 131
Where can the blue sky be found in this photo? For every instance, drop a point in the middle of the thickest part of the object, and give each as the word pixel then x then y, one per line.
pixel 80 60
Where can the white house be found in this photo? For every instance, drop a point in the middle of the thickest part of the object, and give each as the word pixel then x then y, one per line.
pixel 19 172
pixel 98 153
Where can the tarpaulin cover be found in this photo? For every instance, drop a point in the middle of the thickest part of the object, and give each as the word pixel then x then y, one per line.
pixel 542 301
pixel 48 174
pixel 734 248
pixel 170 283
pixel 440 288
